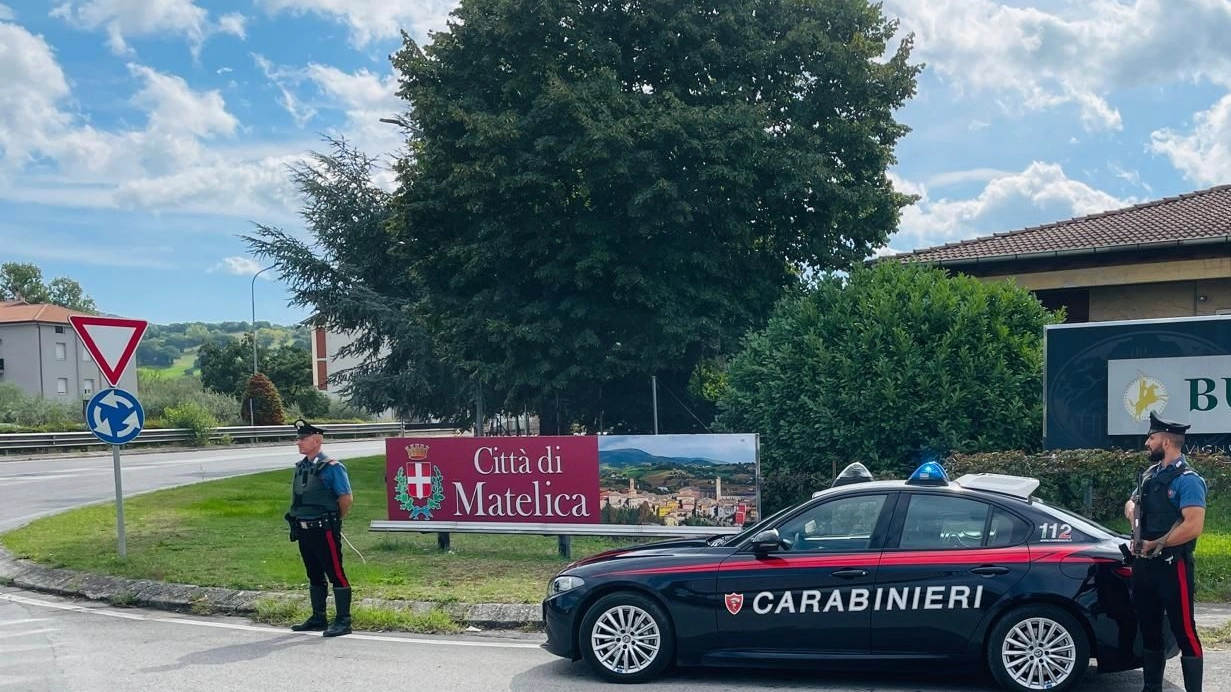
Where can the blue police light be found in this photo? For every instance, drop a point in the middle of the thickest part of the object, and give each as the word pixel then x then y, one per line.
pixel 929 473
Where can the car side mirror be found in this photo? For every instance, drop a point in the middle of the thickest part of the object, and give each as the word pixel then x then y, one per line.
pixel 766 541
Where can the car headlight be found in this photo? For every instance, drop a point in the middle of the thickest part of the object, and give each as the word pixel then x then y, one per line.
pixel 561 584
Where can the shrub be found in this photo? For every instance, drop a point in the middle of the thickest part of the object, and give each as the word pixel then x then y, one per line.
pixel 885 365
pixel 265 401
pixel 36 414
pixel 158 393
pixel 1092 482
pixel 194 417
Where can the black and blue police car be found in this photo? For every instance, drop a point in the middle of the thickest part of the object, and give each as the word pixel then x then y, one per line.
pixel 976 570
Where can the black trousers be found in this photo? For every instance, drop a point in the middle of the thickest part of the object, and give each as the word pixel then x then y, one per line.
pixel 321 550
pixel 1164 587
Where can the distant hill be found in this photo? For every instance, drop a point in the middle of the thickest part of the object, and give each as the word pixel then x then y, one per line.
pixel 619 458
pixel 173 347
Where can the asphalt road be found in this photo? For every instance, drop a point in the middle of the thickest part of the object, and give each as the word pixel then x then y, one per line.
pixel 32 488
pixel 49 644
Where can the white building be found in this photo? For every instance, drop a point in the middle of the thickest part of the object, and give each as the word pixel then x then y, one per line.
pixel 41 353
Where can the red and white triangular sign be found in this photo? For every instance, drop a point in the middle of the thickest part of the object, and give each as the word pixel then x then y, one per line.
pixel 111 341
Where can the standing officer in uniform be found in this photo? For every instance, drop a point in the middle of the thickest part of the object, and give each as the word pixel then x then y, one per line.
pixel 320 499
pixel 1168 514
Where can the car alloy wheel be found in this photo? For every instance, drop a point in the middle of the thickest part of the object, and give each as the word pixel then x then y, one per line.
pixel 1038 648
pixel 627 637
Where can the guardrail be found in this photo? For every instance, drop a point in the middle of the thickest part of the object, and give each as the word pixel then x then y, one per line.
pixel 62 440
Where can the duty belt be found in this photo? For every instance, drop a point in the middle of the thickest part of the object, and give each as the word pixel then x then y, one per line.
pixel 315 524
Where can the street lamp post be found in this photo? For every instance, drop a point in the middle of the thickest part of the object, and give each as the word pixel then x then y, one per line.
pixel 251 405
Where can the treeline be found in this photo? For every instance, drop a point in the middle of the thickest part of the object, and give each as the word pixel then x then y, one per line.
pixel 163 344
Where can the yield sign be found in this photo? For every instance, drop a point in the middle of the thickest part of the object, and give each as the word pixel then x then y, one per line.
pixel 111 341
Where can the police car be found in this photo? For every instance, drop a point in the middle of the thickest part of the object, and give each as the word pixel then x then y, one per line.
pixel 972 570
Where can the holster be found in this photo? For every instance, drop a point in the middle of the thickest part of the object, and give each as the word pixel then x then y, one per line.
pixel 294 525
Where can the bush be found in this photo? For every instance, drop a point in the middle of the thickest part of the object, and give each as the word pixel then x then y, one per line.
pixel 36 414
pixel 889 364
pixel 1091 482
pixel 312 404
pixel 263 397
pixel 194 417
pixel 159 393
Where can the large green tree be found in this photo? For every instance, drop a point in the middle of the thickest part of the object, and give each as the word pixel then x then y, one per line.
pixel 25 281
pixel 596 193
pixel 888 366
pixel 599 192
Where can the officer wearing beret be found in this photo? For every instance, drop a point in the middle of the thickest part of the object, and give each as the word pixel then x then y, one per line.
pixel 320 499
pixel 1168 514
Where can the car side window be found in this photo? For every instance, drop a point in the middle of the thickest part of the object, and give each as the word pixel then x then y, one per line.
pixel 842 524
pixel 936 522
pixel 1007 530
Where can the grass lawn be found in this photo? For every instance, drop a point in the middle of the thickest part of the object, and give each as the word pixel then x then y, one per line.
pixel 179 367
pixel 230 533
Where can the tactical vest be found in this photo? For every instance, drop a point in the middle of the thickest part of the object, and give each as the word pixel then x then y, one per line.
pixel 312 498
pixel 1158 512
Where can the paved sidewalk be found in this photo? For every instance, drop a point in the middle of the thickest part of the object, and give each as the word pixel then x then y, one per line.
pixel 186 597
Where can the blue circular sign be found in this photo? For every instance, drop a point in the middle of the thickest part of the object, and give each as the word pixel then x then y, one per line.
pixel 115 416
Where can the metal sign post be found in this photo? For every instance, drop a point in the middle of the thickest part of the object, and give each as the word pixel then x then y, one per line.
pixel 119 500
pixel 113 415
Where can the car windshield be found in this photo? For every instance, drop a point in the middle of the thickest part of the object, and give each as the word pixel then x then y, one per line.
pixel 1081 523
pixel 751 530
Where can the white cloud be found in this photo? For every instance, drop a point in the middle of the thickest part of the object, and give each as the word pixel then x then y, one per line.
pixel 123 19
pixel 240 266
pixel 372 20
pixel 1203 154
pixel 363 96
pixel 164 166
pixel 6 13
pixel 1078 53
pixel 1042 193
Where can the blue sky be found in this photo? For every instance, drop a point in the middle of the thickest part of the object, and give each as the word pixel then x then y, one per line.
pixel 139 138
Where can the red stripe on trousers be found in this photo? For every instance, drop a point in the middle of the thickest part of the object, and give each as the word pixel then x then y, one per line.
pixel 337 564
pixel 1186 606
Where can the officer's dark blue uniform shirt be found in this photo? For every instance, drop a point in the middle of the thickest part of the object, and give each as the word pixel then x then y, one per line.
pixel 333 476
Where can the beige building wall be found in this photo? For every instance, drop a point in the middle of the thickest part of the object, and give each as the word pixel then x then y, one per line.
pixel 1157 300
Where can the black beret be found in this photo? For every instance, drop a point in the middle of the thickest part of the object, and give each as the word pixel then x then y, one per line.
pixel 304 428
pixel 1159 425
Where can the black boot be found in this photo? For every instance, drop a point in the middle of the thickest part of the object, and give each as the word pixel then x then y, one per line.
pixel 317 621
pixel 341 620
pixel 1192 667
pixel 1152 665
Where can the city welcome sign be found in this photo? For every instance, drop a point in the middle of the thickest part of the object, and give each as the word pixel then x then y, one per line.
pixel 668 479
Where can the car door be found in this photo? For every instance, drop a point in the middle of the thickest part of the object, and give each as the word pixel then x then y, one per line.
pixel 947 561
pixel 811 596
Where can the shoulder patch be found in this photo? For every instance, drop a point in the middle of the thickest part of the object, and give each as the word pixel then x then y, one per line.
pixel 331 462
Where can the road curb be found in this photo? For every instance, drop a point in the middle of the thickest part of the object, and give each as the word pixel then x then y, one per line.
pixel 147 593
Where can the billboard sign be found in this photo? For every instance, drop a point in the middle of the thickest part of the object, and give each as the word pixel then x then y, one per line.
pixel 624 479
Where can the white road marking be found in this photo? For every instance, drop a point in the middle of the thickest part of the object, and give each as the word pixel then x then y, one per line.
pixel 22 621
pixel 108 612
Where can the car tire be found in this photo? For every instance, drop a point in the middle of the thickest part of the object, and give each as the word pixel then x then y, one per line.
pixel 627 637
pixel 1038 647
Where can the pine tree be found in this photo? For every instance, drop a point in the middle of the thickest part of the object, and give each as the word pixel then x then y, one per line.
pixel 262 403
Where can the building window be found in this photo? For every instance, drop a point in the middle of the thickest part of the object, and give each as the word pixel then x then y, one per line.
pixel 59 330
pixel 61 351
pixel 62 385
pixel 88 387
pixel 1075 301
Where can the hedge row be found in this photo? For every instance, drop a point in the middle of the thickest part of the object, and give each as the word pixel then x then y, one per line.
pixel 1092 482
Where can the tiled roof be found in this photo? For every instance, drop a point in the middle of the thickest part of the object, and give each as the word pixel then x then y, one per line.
pixel 17 311
pixel 1196 216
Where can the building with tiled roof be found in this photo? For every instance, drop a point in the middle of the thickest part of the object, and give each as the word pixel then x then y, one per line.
pixel 41 354
pixel 1166 258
